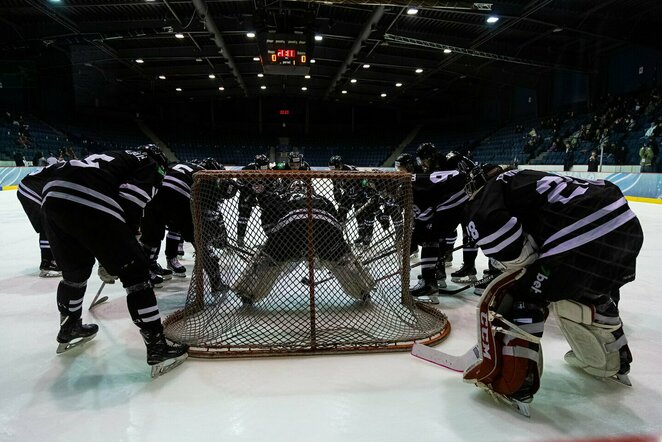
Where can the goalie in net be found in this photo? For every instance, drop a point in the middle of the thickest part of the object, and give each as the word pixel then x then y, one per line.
pixel 298 283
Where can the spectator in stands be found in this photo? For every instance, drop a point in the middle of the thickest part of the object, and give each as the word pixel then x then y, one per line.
pixel 646 154
pixel 653 130
pixel 593 161
pixel 18 159
pixel 620 153
pixel 568 158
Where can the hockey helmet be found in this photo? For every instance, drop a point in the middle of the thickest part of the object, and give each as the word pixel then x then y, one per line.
pixel 457 161
pixel 298 187
pixel 154 152
pixel 261 161
pixel 479 176
pixel 335 162
pixel 405 163
pixel 295 160
pixel 211 164
pixel 426 151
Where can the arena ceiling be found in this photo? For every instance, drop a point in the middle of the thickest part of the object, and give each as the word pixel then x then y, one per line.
pixel 531 38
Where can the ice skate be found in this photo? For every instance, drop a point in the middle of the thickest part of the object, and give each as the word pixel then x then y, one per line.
pixel 482 284
pixel 74 333
pixel 161 356
pixel 521 407
pixel 177 268
pixel 466 274
pixel 440 274
pixel 155 280
pixel 621 377
pixel 48 269
pixel 156 268
pixel 424 289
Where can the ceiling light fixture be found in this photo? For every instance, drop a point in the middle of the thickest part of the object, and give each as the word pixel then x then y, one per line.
pixel 447 51
pixel 304 88
pixel 139 60
pixel 318 37
pixel 250 34
pixel 179 35
pixel 162 77
pixel 307 77
pixel 419 71
pixel 492 19
pixel 343 91
pixel 198 60
pixel 256 58
pixel 260 75
pixel 312 60
pixel 263 87
pixel 412 11
pixel 221 88
pixel 366 66
pixel 212 76
pixel 353 80
pixel 383 95
pixel 398 84
pixel 178 89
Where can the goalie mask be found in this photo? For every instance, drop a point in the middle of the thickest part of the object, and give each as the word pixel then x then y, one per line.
pixel 262 162
pixel 478 176
pixel 295 160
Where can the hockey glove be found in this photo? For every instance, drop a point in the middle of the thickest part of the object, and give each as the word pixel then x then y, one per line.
pixel 105 276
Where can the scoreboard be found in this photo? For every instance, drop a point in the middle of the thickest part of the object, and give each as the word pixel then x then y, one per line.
pixel 285 54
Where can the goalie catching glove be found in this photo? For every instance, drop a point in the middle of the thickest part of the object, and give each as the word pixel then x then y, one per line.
pixel 509 332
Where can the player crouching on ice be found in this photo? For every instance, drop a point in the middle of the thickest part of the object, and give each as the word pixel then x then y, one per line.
pixel 285 220
pixel 566 245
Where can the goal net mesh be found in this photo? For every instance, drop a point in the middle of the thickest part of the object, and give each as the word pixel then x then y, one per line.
pixel 302 262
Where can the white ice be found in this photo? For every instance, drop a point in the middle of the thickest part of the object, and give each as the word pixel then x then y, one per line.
pixel 104 393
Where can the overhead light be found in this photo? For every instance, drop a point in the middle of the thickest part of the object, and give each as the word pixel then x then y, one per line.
pixel 447 51
pixel 260 75
pixel 353 80
pixel 412 11
pixel 250 34
pixel 148 1
pixel 366 66
pixel 492 19
pixel 179 35
pixel 212 76
pixel 304 88
pixel 60 1
pixel 139 60
pixel 221 88
pixel 198 60
pixel 256 58
pixel 318 37
pixel 307 77
pixel 263 87
pixel 383 95
pixel 398 84
pixel 343 91
pixel 312 61
pixel 557 29
pixel 162 77
pixel 419 71
pixel 178 89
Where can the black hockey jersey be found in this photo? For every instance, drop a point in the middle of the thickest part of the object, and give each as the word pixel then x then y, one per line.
pixel 32 186
pixel 439 195
pixel 179 178
pixel 560 213
pixel 119 184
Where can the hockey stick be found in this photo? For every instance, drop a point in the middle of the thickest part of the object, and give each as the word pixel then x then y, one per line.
pixel 452 362
pixel 96 301
pixel 306 281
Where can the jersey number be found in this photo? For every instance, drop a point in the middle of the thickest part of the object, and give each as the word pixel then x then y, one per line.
pixel 91 160
pixel 554 185
pixel 471 230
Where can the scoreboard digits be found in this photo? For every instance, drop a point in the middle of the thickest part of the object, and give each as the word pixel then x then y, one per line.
pixel 285 54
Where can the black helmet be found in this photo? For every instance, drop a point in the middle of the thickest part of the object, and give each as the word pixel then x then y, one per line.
pixel 405 161
pixel 154 152
pixel 457 161
pixel 261 161
pixel 211 164
pixel 295 160
pixel 335 162
pixel 426 151
pixel 479 175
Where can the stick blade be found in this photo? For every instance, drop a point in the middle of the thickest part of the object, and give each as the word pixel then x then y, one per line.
pixel 456 363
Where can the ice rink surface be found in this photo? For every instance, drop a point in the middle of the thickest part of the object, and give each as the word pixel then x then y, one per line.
pixel 104 393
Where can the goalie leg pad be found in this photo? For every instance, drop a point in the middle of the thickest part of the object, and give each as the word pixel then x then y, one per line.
pixel 352 276
pixel 596 347
pixel 510 362
pixel 258 278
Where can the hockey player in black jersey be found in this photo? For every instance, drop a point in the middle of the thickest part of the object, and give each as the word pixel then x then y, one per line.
pixel 294 162
pixel 92 209
pixel 248 199
pixel 566 245
pixel 284 219
pixel 29 194
pixel 354 194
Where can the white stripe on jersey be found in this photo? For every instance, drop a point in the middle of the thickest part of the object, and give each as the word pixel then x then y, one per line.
pixel 425 216
pixel 449 203
pixel 137 190
pixel 138 202
pixel 502 231
pixel 85 190
pixel 591 234
pixel 84 202
pixel 29 194
pixel 177 182
pixel 505 243
pixel 176 189
pixel 585 221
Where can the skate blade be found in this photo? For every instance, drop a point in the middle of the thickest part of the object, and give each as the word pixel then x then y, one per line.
pixel 179 275
pixel 168 365
pixel 434 300
pixel 166 277
pixel 66 346
pixel 622 379
pixel 522 408
pixel 49 274
pixel 464 279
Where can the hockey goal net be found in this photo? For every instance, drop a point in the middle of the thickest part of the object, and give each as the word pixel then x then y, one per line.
pixel 302 262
